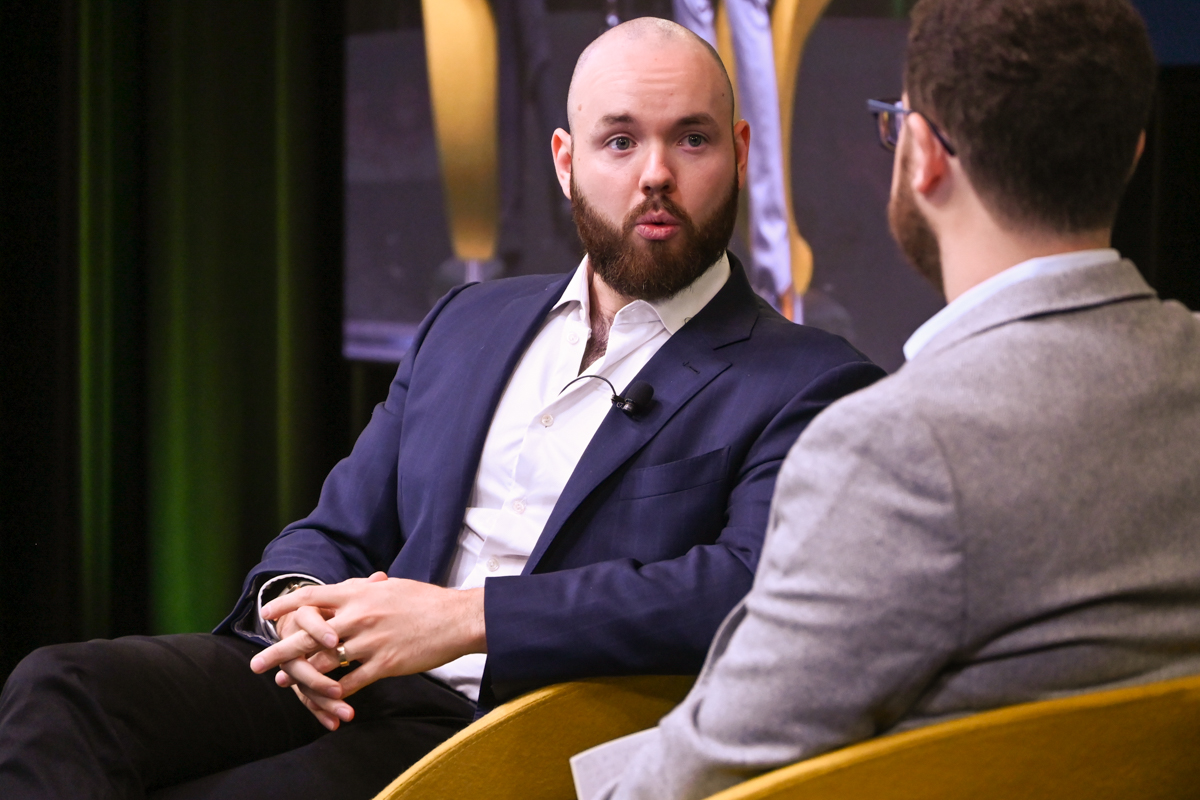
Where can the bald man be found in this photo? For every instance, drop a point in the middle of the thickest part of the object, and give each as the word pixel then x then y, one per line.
pixel 501 523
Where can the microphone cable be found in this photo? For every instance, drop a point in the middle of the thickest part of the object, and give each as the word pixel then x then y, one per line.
pixel 637 395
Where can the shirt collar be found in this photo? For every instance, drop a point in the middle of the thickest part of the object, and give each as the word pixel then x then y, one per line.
pixel 674 312
pixel 978 294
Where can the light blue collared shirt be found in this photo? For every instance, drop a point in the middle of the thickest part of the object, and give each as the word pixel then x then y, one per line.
pixel 979 294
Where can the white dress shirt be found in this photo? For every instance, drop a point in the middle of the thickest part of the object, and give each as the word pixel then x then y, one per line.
pixel 977 294
pixel 540 430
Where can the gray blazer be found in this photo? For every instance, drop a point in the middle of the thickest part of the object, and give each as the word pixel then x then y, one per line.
pixel 1014 515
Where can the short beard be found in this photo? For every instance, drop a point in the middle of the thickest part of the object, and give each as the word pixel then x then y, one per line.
pixel 653 270
pixel 912 232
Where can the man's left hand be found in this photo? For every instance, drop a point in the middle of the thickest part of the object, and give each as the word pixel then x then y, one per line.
pixel 391 626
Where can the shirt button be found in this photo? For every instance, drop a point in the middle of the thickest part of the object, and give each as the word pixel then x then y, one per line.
pixel 493 564
pixel 519 506
pixel 573 338
pixel 547 420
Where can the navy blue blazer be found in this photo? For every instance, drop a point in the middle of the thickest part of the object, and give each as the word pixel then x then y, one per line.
pixel 658 531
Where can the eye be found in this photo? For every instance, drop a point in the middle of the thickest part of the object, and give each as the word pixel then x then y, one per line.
pixel 620 143
pixel 694 139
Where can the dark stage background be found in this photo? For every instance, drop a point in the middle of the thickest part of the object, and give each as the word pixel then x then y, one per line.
pixel 182 201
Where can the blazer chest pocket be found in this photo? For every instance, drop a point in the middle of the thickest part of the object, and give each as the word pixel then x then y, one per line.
pixel 675 476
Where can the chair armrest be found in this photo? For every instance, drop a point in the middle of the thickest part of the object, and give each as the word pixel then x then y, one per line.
pixel 1136 741
pixel 520 750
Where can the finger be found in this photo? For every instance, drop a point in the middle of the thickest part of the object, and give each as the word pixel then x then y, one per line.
pixel 330 721
pixel 298 645
pixel 306 675
pixel 336 708
pixel 285 624
pixel 312 622
pixel 356 679
pixel 324 596
pixel 324 661
pixel 375 577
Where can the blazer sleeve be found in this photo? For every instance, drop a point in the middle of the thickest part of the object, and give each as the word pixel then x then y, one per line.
pixel 622 617
pixel 355 528
pixel 857 605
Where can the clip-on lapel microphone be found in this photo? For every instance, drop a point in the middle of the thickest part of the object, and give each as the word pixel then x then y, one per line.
pixel 637 395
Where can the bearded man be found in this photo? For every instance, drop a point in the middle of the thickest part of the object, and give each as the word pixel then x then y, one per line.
pixel 1012 515
pixel 499 525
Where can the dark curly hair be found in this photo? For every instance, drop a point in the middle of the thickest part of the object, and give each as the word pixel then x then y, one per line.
pixel 1044 101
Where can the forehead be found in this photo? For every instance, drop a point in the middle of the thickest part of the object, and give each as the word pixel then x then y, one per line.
pixel 651 79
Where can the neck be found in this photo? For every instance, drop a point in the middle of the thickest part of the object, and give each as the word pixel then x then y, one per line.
pixel 975 248
pixel 604 302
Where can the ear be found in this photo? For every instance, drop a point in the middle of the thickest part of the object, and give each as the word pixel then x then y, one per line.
pixel 741 149
pixel 560 148
pixel 1137 155
pixel 928 158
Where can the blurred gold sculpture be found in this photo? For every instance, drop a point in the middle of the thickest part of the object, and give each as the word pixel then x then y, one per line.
pixel 460 50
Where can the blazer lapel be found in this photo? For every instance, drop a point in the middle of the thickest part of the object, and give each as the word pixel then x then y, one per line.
pixel 514 327
pixel 683 366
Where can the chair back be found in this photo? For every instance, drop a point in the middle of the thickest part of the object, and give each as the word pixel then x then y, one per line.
pixel 520 750
pixel 1140 742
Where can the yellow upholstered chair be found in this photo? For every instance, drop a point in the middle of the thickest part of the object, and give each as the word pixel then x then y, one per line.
pixel 1139 743
pixel 519 751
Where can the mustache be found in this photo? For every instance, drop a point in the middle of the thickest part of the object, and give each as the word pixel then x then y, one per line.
pixel 656 202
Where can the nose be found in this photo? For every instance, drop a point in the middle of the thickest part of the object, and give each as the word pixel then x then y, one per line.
pixel 657 177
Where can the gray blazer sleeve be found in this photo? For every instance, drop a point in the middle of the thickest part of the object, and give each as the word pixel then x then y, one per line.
pixel 857 604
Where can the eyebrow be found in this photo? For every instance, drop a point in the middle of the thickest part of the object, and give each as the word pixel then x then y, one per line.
pixel 615 119
pixel 627 119
pixel 697 119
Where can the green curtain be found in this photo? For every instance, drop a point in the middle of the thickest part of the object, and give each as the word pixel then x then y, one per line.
pixel 210 253
pixel 110 308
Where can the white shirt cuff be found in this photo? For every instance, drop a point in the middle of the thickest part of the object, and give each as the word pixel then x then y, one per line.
pixel 266 628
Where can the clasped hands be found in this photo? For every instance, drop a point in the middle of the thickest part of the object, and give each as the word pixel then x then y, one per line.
pixel 390 626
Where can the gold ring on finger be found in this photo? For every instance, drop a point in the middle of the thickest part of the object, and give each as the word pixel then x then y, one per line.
pixel 343 660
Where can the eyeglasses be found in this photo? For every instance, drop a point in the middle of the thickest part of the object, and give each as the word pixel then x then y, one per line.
pixel 889 116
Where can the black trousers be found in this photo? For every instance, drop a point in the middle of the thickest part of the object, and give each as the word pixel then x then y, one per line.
pixel 184 717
